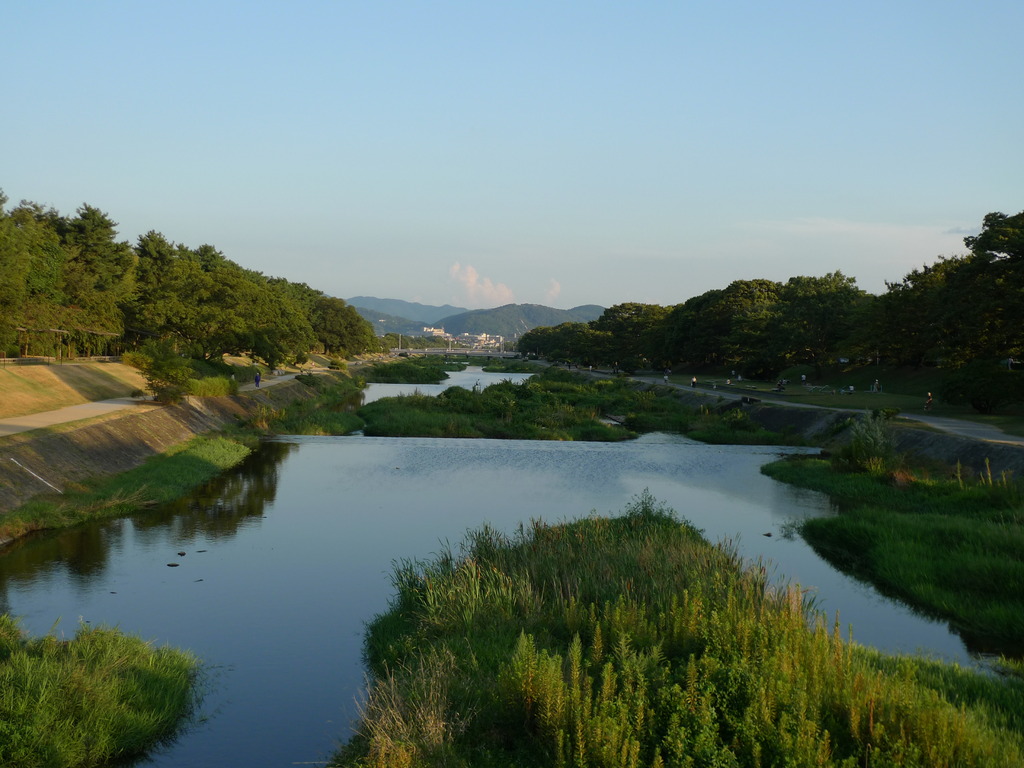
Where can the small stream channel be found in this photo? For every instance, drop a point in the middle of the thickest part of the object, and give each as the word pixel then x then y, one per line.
pixel 287 557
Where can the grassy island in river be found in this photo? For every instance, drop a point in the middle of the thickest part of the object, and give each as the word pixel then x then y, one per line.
pixel 634 642
pixel 557 404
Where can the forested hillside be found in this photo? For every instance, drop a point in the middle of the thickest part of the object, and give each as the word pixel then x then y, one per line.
pixel 69 286
pixel 384 324
pixel 512 320
pixel 508 321
pixel 424 314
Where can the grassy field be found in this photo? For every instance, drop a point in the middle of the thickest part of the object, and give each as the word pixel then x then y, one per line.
pixel 36 388
pixel 634 642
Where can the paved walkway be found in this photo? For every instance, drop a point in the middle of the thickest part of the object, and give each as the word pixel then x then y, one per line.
pixel 16 424
pixel 960 427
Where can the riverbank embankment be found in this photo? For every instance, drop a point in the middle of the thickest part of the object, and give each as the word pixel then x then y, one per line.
pixel 827 427
pixel 44 461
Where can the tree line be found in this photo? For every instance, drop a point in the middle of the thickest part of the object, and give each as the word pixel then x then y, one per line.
pixel 70 287
pixel 964 313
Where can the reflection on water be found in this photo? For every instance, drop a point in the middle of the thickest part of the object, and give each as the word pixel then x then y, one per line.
pixel 288 557
pixel 225 504
pixel 216 510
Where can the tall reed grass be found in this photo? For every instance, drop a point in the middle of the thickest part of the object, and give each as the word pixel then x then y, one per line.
pixel 331 412
pixel 99 697
pixel 634 642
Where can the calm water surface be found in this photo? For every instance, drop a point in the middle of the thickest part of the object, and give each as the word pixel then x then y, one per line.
pixel 288 557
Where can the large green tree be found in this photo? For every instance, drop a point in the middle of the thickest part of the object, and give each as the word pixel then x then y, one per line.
pixel 164 293
pixel 724 326
pixel 572 341
pixel 815 317
pixel 340 329
pixel 909 324
pixel 31 278
pixel 632 335
pixel 1001 237
pixel 99 276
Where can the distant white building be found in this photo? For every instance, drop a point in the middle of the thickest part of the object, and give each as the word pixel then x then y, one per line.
pixel 482 339
pixel 434 332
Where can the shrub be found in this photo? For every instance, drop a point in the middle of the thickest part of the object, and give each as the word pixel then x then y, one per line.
pixel 871 447
pixel 167 373
pixel 216 386
pixel 985 386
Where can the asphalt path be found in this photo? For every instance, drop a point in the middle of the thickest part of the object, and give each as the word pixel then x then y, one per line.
pixel 960 427
pixel 17 424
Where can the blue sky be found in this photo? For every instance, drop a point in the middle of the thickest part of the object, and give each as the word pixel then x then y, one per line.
pixel 560 153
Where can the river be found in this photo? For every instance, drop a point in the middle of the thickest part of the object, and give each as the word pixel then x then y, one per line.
pixel 286 558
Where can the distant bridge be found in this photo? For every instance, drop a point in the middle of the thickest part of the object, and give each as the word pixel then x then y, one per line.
pixel 445 351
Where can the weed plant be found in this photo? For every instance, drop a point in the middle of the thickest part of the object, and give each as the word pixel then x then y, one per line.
pixel 634 642
pixel 506 365
pixel 332 412
pixel 99 697
pixel 214 386
pixel 951 547
pixel 871 446
pixel 734 427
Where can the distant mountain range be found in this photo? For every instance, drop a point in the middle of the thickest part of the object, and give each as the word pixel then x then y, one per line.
pixel 410 310
pixel 510 321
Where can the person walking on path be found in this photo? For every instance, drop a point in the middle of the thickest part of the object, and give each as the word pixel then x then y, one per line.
pixel 693 382
pixel 257 379
pixel 928 402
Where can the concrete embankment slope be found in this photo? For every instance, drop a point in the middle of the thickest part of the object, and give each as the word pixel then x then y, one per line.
pixel 828 427
pixel 31 461
pixel 823 427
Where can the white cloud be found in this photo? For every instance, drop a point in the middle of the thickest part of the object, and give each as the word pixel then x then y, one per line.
pixel 480 292
pixel 552 293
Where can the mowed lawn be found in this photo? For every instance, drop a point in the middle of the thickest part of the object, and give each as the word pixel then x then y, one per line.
pixel 28 389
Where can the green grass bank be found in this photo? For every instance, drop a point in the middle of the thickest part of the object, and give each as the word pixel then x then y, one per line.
pixel 634 642
pixel 952 547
